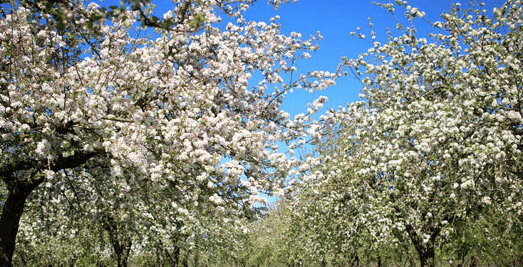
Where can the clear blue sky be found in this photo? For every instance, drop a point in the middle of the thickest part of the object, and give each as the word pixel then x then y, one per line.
pixel 335 19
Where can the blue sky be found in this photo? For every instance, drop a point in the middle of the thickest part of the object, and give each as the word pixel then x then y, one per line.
pixel 335 19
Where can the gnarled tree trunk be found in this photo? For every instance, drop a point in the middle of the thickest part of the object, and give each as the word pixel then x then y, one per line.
pixel 21 178
pixel 19 188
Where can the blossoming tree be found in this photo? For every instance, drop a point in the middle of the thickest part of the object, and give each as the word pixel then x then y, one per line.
pixel 82 86
pixel 436 141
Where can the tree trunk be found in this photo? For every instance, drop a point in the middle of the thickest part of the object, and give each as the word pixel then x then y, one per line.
pixel 176 256
pixel 19 188
pixel 426 256
pixel 355 261
pixel 122 252
pixel 120 241
pixel 425 249
pixel 176 259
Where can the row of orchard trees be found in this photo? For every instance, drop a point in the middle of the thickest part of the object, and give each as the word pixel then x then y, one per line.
pixel 131 136
pixel 428 168
pixel 127 133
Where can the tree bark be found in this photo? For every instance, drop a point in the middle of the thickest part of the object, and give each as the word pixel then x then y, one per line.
pixel 19 188
pixel 355 261
pixel 425 250
pixel 426 256
pixel 121 242
pixel 176 257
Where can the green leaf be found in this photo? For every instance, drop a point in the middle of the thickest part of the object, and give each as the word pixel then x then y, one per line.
pixel 49 6
pixel 199 20
pixel 60 26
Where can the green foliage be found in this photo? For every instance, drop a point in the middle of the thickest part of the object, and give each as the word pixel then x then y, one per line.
pixel 198 21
